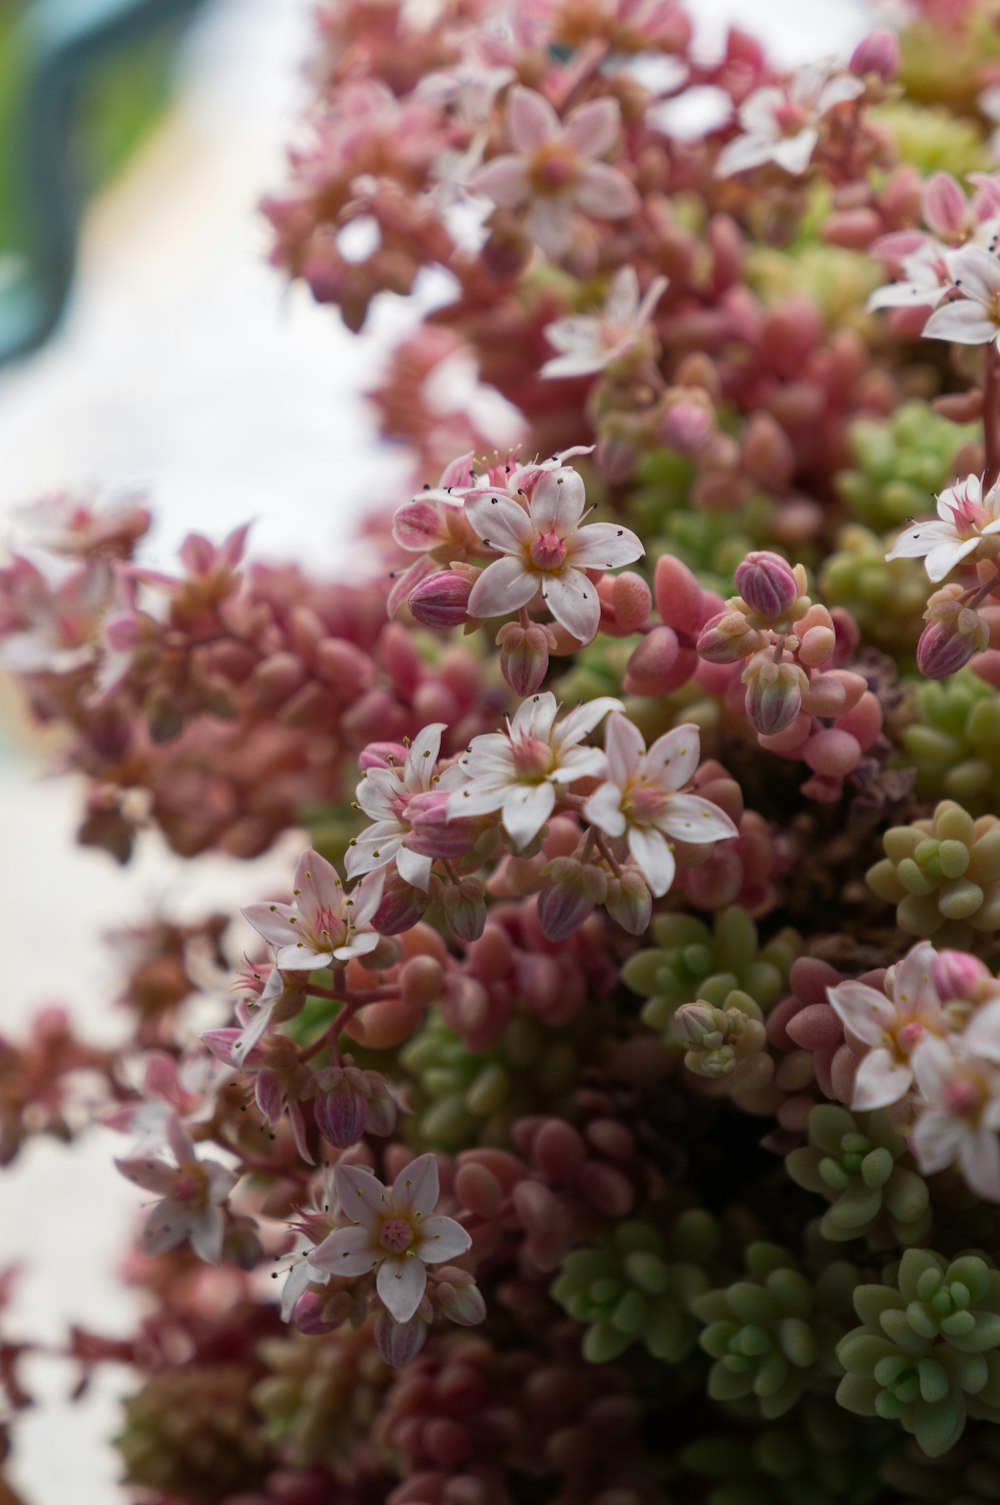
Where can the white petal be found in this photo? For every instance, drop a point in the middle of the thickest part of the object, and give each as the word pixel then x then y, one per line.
pixel 346 1251
pixel 401 1283
pixel 557 501
pixel 417 1187
pixel 688 817
pixel 525 811
pixel 531 120
pixel 165 1227
pixel 472 801
pixel 979 1158
pixel 880 1081
pixel 423 754
pixel 413 868
pixel 963 322
pixel 865 1012
pixel 361 1195
pixel 206 1230
pixel 917 541
pixel 442 1239
pixel 534 717
pixel 604 546
pixel 503 587
pixel 624 745
pixel 673 758
pixel 794 153
pixel 943 559
pixel 975 271
pixel 935 1141
pixel 500 521
pixel 581 721
pixel 603 810
pixel 653 858
pixel 573 601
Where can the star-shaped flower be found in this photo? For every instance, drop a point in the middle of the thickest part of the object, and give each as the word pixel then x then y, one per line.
pixel 190 1194
pixel 966 518
pixel 974 317
pixel 385 795
pixel 780 122
pixel 325 924
pixel 588 343
pixel 890 1026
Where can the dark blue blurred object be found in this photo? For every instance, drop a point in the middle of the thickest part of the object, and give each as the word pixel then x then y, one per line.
pixel 60 42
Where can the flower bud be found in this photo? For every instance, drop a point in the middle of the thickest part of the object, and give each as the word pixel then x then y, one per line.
pixel 727 638
pixel 688 420
pixel 457 1297
pixel 876 53
pixel 699 1025
pixel 464 905
pixel 629 902
pixel 399 1342
pixel 569 894
pixel 945 206
pixel 401 907
pixel 340 1105
pixel 774 693
pixel 767 584
pixel 441 600
pixel 382 1110
pixel 956 974
pixel 953 634
pixel 524 655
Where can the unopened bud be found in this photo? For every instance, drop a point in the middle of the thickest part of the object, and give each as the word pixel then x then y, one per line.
pixel 767 584
pixel 442 600
pixel 569 894
pixel 700 1026
pixel 382 755
pixel 464 906
pixel 876 53
pixel 727 638
pixel 401 907
pixel 340 1105
pixel 629 902
pixel 688 420
pixel 524 655
pixel 945 206
pixel 457 1297
pixel 956 974
pixel 953 634
pixel 399 1342
pixel 774 693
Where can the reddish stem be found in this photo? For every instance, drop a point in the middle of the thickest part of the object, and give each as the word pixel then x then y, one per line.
pixel 991 435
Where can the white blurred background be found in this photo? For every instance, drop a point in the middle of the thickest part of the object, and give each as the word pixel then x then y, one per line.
pixel 186 368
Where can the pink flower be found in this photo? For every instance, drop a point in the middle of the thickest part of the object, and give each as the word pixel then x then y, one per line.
pixel 520 771
pixel 552 172
pixel 190 1195
pixel 780 123
pixel 973 318
pixel 325 924
pixel 966 518
pixel 890 1027
pixel 588 343
pixel 641 799
pixel 391 1231
pixel 958 1120
pixel 384 794
pixel 545 550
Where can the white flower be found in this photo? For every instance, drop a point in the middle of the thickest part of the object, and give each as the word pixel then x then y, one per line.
pixel 973 318
pixel 641 802
pixel 959 1084
pixel 190 1194
pixel 923 283
pixel 591 342
pixel 546 550
pixel 780 123
pixel 520 771
pixel 325 924
pixel 966 518
pixel 890 1028
pixel 384 794
pixel 392 1232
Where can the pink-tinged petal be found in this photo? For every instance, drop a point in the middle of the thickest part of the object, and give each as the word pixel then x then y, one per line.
pixel 582 720
pixel 759 112
pixel 163 1080
pixel 416 526
pixel 915 542
pixel 605 193
pixel 943 559
pixel 573 601
pixel 913 988
pixel 364 899
pixel 220 1179
pixel 603 810
pixel 525 811
pixel 401 1283
pixel 880 1080
pixel 472 801
pixel 148 1172
pixel 302 957
pixel 346 1251
pixel 586 362
pixel 741 155
pixel 905 295
pixel 362 944
pixel 549 223
pixel 557 502
pixel 297 1124
pixel 980 1161
pixel 534 717
pixel 969 490
pixel 501 522
pixel 361 1196
pixel 975 271
pixel 180 1142
pixel 982 1033
pixel 404 584
pixel 165 1228
pixel 502 179
pixel 275 922
pixel 624 746
pixel 592 129
pixel 414 869
pixel 935 1141
pixel 424 751
pixel 503 587
pixel 653 858
pixel 963 322
pixel 206 1230
pixel 933 1067
pixel 604 546
pixel 371 853
pixel 673 758
pixel 417 1188
pixel 297 1282
pixel 838 90
pixel 317 884
pixel 688 817
pixel 795 153
pixel 531 120
pixel 254 1031
pixel 863 1011
pixel 269 1095
pixel 442 1239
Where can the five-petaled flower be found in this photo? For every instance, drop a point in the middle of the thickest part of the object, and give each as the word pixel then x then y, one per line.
pixel 384 795
pixel 520 771
pixel 974 317
pixel 641 799
pixel 890 1027
pixel 552 173
pixel 780 123
pixel 588 343
pixel 190 1194
pixel 325 924
pixel 545 550
pixel 391 1230
pixel 967 517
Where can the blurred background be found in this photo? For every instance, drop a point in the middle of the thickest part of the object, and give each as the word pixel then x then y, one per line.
pixel 145 346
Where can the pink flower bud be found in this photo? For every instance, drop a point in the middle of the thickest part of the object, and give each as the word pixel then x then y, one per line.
pixel 524 655
pixel 382 755
pixel 956 974
pixel 629 902
pixel 876 53
pixel 401 907
pixel 457 1297
pixel 774 693
pixel 953 634
pixel 569 894
pixel 727 638
pixel 399 1342
pixel 945 207
pixel 688 420
pixel 700 1026
pixel 340 1105
pixel 767 584
pixel 442 600
pixel 464 905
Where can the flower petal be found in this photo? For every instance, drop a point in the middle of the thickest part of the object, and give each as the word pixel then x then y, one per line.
pixel 531 121
pixel 914 543
pixel 424 751
pixel 573 601
pixel 962 322
pixel 417 1187
pixel 557 501
pixel 979 1158
pixel 502 179
pixel 500 522
pixel 525 811
pixel 653 858
pixel 549 222
pixel 625 747
pixel 442 1239
pixel 863 1011
pixel 673 758
pixel 603 810
pixel 503 587
pixel 401 1283
pixel 943 559
pixel 592 128
pixel 880 1080
pixel 975 271
pixel 346 1251
pixel 414 868
pixel 604 546
pixel 605 193
pixel 580 722
pixel 165 1227
pixel 361 1195
pixel 688 817
pixel 206 1230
